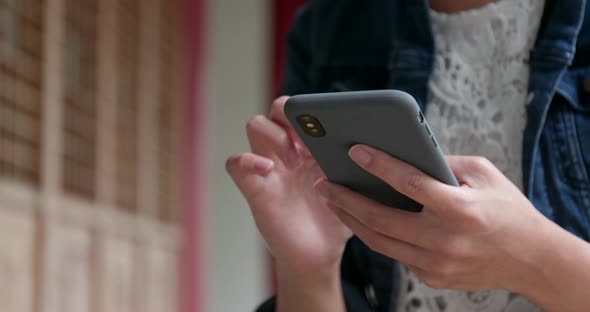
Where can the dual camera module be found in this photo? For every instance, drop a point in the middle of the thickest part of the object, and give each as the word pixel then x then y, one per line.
pixel 311 126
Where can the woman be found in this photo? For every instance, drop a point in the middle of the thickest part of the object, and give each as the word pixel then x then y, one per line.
pixel 513 237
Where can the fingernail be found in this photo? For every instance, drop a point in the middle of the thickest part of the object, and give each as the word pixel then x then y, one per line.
pixel 263 165
pixel 322 187
pixel 360 155
pixel 292 156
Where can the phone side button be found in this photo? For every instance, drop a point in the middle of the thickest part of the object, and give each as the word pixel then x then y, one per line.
pixel 427 129
pixel 434 141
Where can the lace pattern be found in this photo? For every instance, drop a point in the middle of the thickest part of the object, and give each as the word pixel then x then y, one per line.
pixel 478 89
pixel 477 106
pixel 417 297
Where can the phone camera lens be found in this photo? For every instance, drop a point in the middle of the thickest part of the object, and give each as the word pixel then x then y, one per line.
pixel 311 126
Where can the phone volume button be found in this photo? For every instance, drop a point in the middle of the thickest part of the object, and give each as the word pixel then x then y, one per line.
pixel 434 141
pixel 427 129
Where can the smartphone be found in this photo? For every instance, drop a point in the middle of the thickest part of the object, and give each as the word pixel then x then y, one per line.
pixel 389 120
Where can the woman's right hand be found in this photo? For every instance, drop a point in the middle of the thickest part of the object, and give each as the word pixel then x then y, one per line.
pixel 277 180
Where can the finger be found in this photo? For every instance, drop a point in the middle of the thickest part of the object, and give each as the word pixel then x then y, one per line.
pixel 398 224
pixel 405 178
pixel 422 274
pixel 268 139
pixel 277 114
pixel 248 171
pixel 244 164
pixel 416 270
pixel 436 280
pixel 277 111
pixel 473 171
pixel 390 247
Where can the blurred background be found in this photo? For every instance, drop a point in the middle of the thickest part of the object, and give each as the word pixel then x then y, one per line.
pixel 116 117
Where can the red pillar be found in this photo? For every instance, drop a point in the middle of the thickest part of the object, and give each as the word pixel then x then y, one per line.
pixel 191 292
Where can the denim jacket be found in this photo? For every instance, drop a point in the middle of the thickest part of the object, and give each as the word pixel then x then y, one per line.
pixel 378 44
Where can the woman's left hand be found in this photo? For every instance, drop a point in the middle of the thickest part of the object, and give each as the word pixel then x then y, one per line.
pixel 477 236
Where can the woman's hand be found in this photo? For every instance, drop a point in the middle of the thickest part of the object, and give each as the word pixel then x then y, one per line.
pixel 277 179
pixel 306 241
pixel 477 236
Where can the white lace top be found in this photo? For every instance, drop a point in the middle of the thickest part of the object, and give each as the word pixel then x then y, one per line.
pixel 477 106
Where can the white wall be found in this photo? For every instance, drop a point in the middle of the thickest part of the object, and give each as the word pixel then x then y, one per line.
pixel 238 88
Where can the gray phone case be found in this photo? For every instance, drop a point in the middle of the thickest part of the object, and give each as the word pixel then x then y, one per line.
pixel 388 120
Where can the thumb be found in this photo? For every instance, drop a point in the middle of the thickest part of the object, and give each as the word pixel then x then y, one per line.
pixel 473 171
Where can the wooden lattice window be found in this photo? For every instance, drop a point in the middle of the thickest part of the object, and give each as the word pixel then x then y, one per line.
pixel 169 108
pixel 127 104
pixel 80 97
pixel 21 51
